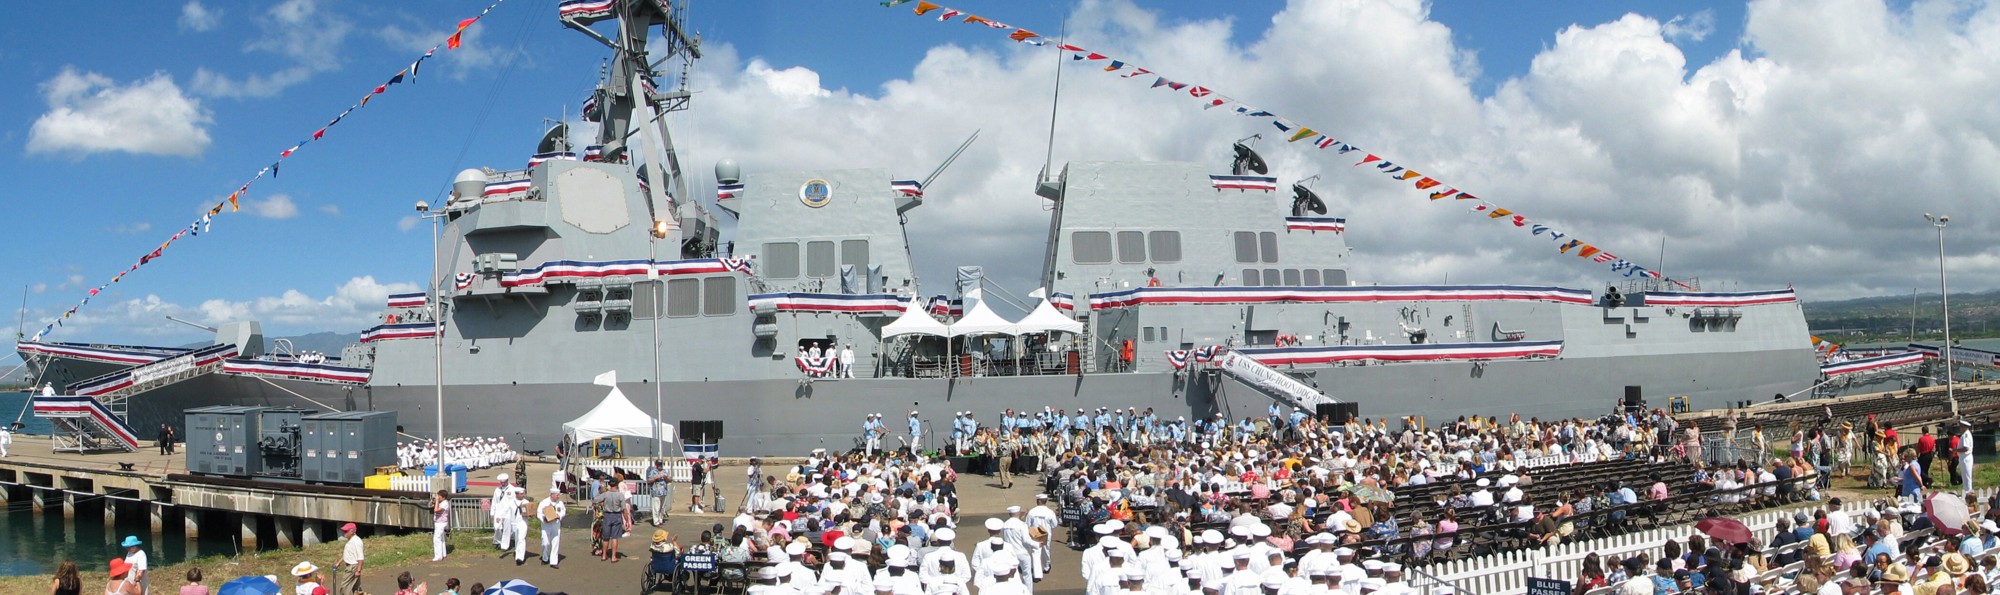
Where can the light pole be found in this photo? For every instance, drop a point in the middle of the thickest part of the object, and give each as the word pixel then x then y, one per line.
pixel 659 231
pixel 1944 294
pixel 437 320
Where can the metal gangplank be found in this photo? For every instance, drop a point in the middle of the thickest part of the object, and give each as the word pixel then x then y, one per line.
pixel 1273 383
pixel 82 424
pixel 93 418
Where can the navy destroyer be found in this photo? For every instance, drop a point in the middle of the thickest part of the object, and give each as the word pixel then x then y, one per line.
pixel 1192 289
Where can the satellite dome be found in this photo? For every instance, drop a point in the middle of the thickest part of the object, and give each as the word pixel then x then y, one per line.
pixel 727 172
pixel 469 185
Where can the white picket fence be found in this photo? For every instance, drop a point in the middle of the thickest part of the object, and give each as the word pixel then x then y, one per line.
pixel 411 483
pixel 1506 573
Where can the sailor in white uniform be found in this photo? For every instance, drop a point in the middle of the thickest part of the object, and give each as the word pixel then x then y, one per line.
pixel 944 570
pixel 847 361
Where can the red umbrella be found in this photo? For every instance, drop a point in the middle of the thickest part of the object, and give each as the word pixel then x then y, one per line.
pixel 1725 529
pixel 1948 512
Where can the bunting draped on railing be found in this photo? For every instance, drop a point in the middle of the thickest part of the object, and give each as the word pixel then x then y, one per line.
pixel 1181 358
pixel 554 270
pixel 1333 224
pixel 233 201
pixel 408 330
pixel 1293 131
pixel 1872 364
pixel 883 304
pixel 1161 296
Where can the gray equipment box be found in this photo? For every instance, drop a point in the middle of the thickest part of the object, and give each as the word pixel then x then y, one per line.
pixel 278 441
pixel 346 447
pixel 221 440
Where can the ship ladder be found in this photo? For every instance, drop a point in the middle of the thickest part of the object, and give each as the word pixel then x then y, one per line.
pixel 83 424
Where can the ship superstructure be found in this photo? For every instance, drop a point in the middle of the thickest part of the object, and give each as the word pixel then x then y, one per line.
pixel 1189 288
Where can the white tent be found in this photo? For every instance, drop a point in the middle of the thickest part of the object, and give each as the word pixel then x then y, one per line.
pixel 1045 318
pixel 615 416
pixel 980 320
pixel 915 321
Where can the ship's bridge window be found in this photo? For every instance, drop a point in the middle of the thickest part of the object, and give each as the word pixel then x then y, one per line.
pixel 1246 247
pixel 1131 247
pixel 1267 243
pixel 1336 278
pixel 1292 277
pixel 1146 333
pixel 1272 278
pixel 1251 278
pixel 719 296
pixel 1165 245
pixel 854 252
pixel 1091 247
pixel 684 297
pixel 1311 277
pixel 819 259
pixel 781 260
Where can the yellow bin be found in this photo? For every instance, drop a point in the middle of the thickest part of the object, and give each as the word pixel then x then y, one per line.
pixel 376 482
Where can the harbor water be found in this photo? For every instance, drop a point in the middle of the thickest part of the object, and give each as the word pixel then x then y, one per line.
pixel 32 543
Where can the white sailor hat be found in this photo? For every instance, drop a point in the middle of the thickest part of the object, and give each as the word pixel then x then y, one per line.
pixel 1260 530
pixel 913 413
pixel 1275 578
pixel 1243 555
pixel 1013 510
pixel 944 534
pixel 1239 531
pixel 1342 552
pixel 993 524
pixel 1101 529
pixel 1211 536
pixel 844 543
pixel 1115 524
pixel 1483 482
pixel 1392 567
pixel 777 555
pixel 768 573
pixel 1157 532
pixel 795 548
pixel 1111 552
pixel 1371 564
pixel 503 477
pixel 1041 497
pixel 836 556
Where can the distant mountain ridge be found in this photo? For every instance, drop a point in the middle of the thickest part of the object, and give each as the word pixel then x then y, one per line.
pixel 1888 317
pixel 326 342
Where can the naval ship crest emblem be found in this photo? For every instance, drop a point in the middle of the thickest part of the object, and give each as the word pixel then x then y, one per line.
pixel 816 193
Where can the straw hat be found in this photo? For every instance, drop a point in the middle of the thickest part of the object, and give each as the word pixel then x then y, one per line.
pixel 304 569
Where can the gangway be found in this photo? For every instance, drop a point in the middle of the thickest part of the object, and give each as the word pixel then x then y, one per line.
pixel 1273 383
pixel 94 417
pixel 82 424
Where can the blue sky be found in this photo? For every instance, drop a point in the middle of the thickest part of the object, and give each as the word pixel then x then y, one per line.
pixel 211 91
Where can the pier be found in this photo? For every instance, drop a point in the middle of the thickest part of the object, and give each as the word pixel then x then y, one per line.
pixel 259 513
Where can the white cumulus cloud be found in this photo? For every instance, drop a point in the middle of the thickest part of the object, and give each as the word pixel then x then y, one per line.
pixel 196 17
pixel 300 30
pixel 90 113
pixel 276 206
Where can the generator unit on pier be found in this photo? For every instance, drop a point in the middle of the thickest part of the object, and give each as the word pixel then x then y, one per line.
pixel 290 445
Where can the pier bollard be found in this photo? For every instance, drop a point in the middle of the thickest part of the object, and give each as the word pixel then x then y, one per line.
pixel 191 523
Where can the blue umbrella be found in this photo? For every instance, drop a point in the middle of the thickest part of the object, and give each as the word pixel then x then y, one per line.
pixel 249 585
pixel 513 587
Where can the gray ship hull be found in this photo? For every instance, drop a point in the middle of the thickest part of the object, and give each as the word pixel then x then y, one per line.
pixel 787 417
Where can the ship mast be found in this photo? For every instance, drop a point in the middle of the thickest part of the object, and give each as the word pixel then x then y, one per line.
pixel 634 104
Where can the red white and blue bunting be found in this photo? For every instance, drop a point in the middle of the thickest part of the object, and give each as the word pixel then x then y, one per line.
pixel 1963 355
pixel 296 371
pixel 1181 358
pixel 557 271
pixel 1434 352
pixel 907 187
pixel 113 354
pixel 406 330
pixel 1063 301
pixel 72 406
pixel 1156 296
pixel 949 307
pixel 1872 364
pixel 1333 224
pixel 585 12
pixel 723 191
pixel 1265 183
pixel 818 366
pixel 885 304
pixel 540 158
pixel 506 188
pixel 1720 300
pixel 233 201
pixel 1209 98
pixel 409 300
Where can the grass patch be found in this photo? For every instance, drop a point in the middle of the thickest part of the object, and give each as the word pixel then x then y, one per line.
pixel 385 554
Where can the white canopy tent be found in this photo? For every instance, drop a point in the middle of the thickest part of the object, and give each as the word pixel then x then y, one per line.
pixel 1045 318
pixel 615 416
pixel 915 321
pixel 980 320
